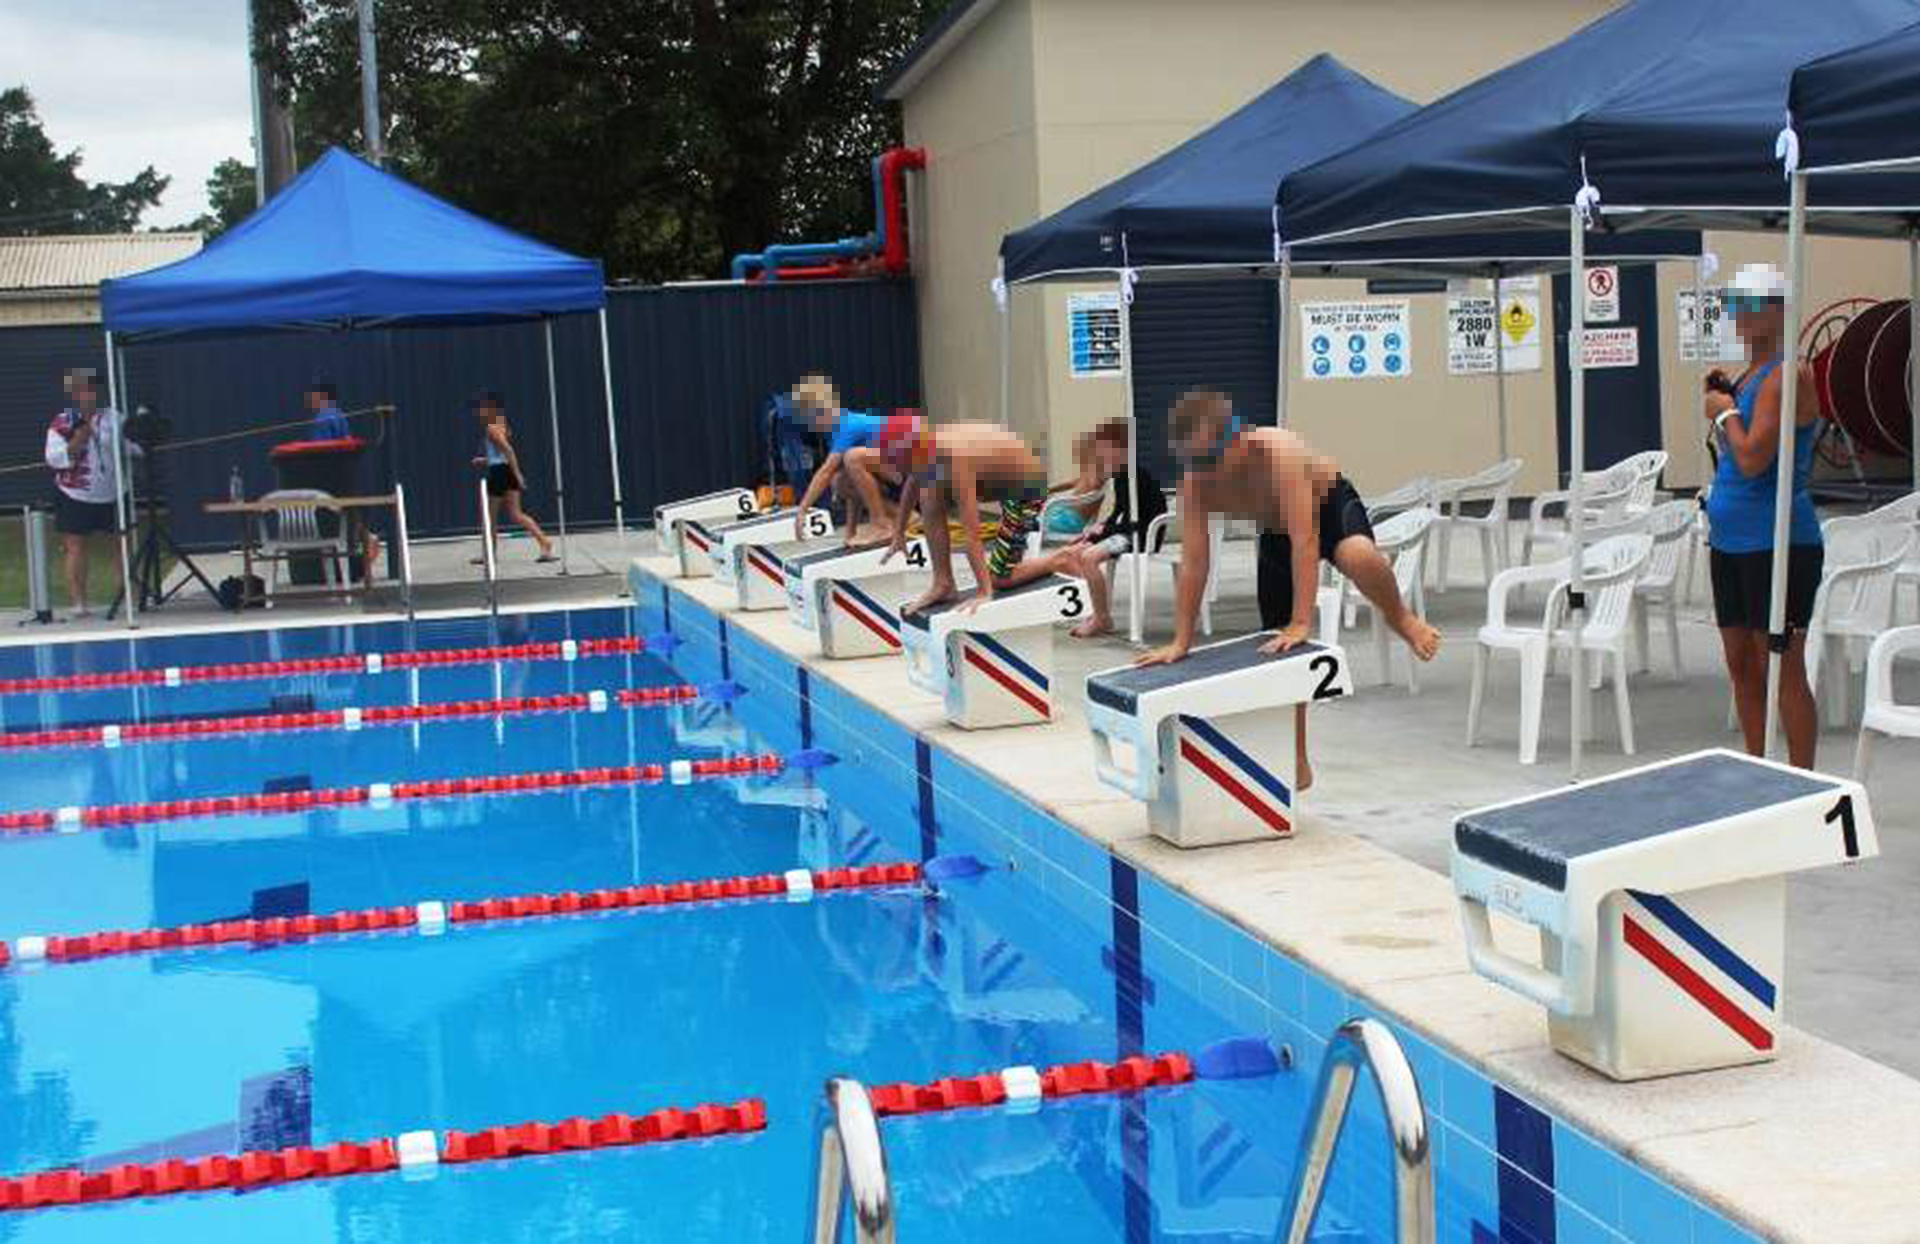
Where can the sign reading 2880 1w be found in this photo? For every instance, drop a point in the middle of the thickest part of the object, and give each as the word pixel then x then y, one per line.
pixel 1362 340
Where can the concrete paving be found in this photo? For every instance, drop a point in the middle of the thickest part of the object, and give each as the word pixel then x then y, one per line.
pixel 1392 767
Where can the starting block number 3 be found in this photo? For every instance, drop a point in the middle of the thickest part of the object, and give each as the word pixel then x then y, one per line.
pixel 1071 604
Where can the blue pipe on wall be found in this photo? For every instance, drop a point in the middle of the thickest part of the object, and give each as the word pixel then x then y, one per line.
pixel 769 260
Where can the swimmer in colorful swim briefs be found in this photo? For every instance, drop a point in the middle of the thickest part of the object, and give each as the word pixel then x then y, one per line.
pixel 1307 512
pixel 951 470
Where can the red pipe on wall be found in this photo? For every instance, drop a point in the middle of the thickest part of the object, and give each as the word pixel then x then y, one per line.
pixel 896 256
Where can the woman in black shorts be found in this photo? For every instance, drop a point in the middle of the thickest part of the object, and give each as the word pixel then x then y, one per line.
pixel 505 482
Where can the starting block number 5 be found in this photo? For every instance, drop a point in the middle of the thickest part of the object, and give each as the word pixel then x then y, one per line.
pixel 817 523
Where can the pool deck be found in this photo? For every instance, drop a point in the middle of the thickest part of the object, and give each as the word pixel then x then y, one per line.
pixel 1817 1146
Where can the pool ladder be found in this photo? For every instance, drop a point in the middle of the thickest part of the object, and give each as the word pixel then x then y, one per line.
pixel 852 1164
pixel 1370 1044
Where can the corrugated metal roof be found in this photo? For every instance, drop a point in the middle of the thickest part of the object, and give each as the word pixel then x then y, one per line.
pixel 82 261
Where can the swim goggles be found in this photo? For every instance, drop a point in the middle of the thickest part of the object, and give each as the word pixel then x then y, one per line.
pixel 1208 457
pixel 1743 304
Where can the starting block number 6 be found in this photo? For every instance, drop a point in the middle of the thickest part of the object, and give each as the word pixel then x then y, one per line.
pixel 745 500
pixel 817 523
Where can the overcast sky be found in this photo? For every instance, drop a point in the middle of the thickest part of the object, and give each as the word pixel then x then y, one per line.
pixel 137 82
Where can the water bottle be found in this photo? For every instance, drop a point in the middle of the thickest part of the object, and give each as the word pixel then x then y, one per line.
pixel 236 487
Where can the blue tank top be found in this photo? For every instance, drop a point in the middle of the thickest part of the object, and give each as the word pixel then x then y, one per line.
pixel 1740 507
pixel 495 455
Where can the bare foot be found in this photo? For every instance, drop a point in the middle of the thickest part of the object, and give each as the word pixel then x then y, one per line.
pixel 1303 777
pixel 939 593
pixel 1422 637
pixel 874 531
pixel 1092 627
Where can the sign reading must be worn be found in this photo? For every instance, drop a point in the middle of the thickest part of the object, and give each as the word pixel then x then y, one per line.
pixel 1093 334
pixel 1365 339
pixel 1610 347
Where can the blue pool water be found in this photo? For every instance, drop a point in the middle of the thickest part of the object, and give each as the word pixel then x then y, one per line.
pixel 142 1057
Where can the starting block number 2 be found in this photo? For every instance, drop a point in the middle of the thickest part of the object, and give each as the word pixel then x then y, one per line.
pixel 1328 667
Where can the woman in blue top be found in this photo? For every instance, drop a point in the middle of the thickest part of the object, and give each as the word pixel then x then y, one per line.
pixel 1745 414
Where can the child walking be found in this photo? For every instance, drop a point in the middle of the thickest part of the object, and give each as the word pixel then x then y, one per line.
pixel 505 482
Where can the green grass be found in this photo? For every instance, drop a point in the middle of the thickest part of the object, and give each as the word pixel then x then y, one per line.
pixel 103 573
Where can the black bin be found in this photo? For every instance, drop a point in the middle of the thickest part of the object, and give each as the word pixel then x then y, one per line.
pixel 331 466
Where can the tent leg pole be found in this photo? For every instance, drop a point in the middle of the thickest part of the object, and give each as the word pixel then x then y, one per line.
pixel 1499 374
pixel 1136 608
pixel 1004 297
pixel 120 488
pixel 1913 353
pixel 553 420
pixel 1286 345
pixel 1577 467
pixel 405 557
pixel 1777 638
pixel 613 432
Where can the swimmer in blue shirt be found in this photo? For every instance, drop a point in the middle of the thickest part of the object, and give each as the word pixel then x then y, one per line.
pixel 329 424
pixel 848 432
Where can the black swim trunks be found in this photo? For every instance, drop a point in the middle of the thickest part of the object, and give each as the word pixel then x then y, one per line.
pixel 1342 514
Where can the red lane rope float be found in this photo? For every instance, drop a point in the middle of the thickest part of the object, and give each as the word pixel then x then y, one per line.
pixel 345 718
pixel 1065 1080
pixel 431 916
pixel 100 816
pixel 258 1168
pixel 371 662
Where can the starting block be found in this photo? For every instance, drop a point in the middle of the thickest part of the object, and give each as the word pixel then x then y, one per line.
pixel 849 599
pixel 993 666
pixel 1660 899
pixel 1207 743
pixel 762 578
pixel 671 520
pixel 731 542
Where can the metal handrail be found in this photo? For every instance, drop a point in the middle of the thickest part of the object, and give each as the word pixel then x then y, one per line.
pixel 851 1160
pixel 1371 1044
pixel 486 550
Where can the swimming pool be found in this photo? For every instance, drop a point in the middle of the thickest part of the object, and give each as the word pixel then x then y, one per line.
pixel 1055 953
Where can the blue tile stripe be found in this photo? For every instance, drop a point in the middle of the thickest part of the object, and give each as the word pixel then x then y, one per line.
pixel 1130 1025
pixel 726 650
pixel 804 682
pixel 929 827
pixel 1524 1134
pixel 1006 654
pixel 1715 951
pixel 1241 760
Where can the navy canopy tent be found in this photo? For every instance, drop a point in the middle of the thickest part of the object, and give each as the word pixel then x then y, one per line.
pixel 1662 113
pixel 1861 108
pixel 346 245
pixel 1207 204
pixel 1667 108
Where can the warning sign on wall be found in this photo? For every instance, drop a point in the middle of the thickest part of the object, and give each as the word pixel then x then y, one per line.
pixel 1603 295
pixel 1610 347
pixel 1721 342
pixel 1477 325
pixel 1361 340
pixel 1093 334
pixel 1520 327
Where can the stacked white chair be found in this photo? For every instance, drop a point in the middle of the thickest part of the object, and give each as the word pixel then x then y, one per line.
pixel 1671 526
pixel 1645 468
pixel 1855 602
pixel 1402 539
pixel 1413 494
pixel 1612 567
pixel 293 528
pixel 1449 497
pixel 1884 714
pixel 1904 512
pixel 1605 495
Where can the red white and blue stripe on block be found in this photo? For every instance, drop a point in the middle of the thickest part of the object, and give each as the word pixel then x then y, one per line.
pixel 868 612
pixel 1227 765
pixel 694 535
pixel 762 559
pixel 1013 673
pixel 1702 966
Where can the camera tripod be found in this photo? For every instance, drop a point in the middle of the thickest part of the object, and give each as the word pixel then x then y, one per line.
pixel 149 561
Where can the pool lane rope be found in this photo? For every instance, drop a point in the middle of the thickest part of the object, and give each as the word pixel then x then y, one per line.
pixel 113 735
pixel 434 916
pixel 73 819
pixel 367 663
pixel 420 1153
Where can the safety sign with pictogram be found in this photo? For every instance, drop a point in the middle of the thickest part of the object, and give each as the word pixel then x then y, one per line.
pixel 1603 294
pixel 1365 339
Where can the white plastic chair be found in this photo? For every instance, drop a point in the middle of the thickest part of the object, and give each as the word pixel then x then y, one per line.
pixel 1402 539
pixel 1645 467
pixel 1697 550
pixel 1493 486
pixel 1612 567
pixel 1854 603
pixel 293 529
pixel 1416 492
pixel 1884 714
pixel 1904 512
pixel 1157 551
pixel 1671 526
pixel 1606 496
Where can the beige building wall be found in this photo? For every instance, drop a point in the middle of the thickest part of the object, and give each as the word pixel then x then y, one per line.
pixel 1047 100
pixel 58 308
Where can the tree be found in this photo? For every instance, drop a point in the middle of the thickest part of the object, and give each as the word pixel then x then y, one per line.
pixel 661 135
pixel 231 195
pixel 41 191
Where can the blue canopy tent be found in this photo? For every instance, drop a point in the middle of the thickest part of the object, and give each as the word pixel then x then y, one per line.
pixel 1661 114
pixel 346 246
pixel 1205 208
